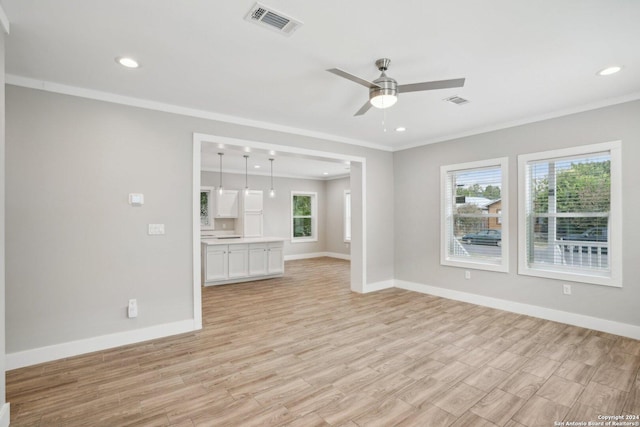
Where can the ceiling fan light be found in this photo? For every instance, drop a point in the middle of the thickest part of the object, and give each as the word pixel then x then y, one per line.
pixel 610 70
pixel 127 62
pixel 383 100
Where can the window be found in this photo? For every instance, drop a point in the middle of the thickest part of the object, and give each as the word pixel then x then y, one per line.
pixel 474 218
pixel 206 208
pixel 303 217
pixel 569 215
pixel 347 215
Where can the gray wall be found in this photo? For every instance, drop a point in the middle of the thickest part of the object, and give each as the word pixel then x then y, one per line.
pixel 76 251
pixel 417 227
pixel 277 210
pixel 335 216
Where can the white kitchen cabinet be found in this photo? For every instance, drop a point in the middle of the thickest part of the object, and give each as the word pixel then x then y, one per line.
pixel 253 201
pixel 257 259
pixel 238 261
pixel 226 204
pixel 275 255
pixel 252 224
pixel 241 261
pixel 251 216
pixel 216 263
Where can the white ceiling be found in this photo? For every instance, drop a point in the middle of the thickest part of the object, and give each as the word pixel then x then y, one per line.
pixel 285 165
pixel 523 60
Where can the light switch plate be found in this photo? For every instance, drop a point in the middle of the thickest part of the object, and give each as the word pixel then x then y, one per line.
pixel 156 229
pixel 132 309
pixel 136 199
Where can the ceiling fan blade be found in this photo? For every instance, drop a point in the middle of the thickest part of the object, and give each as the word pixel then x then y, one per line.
pixel 349 76
pixel 363 109
pixel 440 84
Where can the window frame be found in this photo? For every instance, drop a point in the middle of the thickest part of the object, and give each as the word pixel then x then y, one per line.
pixel 211 191
pixel 614 279
pixel 314 217
pixel 347 216
pixel 478 264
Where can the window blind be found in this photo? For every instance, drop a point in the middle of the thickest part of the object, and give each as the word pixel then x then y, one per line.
pixel 568 202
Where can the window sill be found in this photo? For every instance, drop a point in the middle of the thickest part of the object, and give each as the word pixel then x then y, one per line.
pixel 552 273
pixel 304 240
pixel 498 267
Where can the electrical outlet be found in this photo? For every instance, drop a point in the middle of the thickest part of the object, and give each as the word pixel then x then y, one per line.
pixel 566 289
pixel 467 275
pixel 132 309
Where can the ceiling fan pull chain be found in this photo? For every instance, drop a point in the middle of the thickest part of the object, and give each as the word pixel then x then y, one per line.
pixel 384 120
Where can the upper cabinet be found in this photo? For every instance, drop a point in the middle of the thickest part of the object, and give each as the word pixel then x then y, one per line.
pixel 253 201
pixel 227 204
pixel 206 208
pixel 251 216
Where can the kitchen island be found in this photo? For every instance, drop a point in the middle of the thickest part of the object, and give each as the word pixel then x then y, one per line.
pixel 233 260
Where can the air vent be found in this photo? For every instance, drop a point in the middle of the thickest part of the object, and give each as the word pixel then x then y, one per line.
pixel 271 19
pixel 456 100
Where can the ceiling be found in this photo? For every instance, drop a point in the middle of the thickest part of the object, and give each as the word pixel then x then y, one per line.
pixel 286 165
pixel 522 60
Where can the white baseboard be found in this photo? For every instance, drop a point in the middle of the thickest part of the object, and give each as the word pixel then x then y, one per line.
pixel 603 325
pixel 4 415
pixel 338 255
pixel 304 256
pixel 34 356
pixel 316 255
pixel 378 286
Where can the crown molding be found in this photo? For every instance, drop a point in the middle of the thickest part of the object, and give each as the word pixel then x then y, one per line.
pixel 15 80
pixel 553 115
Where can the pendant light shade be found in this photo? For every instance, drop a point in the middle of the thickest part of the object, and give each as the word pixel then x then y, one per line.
pixel 220 188
pixel 272 192
pixel 246 174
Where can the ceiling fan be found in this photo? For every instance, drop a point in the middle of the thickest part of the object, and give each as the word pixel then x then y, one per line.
pixel 383 91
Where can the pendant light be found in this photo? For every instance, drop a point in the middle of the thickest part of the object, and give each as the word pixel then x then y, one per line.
pixel 220 189
pixel 272 192
pixel 246 174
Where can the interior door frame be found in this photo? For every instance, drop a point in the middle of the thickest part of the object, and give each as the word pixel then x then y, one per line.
pixel 358 208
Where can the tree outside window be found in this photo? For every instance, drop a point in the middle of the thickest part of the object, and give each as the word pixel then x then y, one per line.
pixel 303 216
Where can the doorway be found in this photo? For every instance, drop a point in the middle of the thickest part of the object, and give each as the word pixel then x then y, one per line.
pixel 357 174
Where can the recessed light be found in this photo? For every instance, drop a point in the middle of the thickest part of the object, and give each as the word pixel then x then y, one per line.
pixel 401 129
pixel 609 70
pixel 325 173
pixel 256 166
pixel 127 62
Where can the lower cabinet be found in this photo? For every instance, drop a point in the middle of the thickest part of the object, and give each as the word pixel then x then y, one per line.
pixel 275 252
pixel 241 262
pixel 238 261
pixel 216 263
pixel 257 259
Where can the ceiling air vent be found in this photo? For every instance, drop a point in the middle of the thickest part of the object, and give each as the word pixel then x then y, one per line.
pixel 456 100
pixel 269 18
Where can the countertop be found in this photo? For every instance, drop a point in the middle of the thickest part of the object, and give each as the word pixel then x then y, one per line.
pixel 241 240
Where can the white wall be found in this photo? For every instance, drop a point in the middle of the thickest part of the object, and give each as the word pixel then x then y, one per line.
pixel 76 251
pixel 417 225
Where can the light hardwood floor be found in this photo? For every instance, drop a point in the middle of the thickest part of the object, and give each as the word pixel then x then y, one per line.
pixel 303 350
